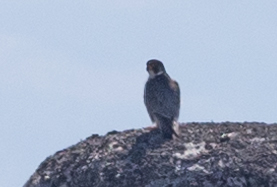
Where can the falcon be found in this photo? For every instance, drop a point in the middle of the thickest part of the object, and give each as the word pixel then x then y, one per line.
pixel 162 99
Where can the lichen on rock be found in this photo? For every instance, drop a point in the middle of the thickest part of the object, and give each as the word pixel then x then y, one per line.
pixel 205 154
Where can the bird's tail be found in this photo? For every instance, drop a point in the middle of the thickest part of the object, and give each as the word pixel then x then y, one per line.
pixel 168 127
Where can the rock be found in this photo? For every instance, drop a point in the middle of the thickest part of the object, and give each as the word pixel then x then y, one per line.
pixel 206 154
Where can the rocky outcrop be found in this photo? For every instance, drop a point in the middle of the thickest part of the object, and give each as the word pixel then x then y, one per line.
pixel 206 154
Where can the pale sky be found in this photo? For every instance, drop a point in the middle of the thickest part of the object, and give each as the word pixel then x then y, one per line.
pixel 70 69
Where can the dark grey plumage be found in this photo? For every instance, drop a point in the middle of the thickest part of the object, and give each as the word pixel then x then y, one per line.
pixel 162 98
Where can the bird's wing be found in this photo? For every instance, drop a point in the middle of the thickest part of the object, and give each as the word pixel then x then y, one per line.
pixel 177 97
pixel 167 101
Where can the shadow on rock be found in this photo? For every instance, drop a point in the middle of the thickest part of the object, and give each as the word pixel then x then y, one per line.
pixel 147 141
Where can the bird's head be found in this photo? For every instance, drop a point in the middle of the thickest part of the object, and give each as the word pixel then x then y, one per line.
pixel 154 68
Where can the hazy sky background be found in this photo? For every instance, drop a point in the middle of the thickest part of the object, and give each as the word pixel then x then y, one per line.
pixel 70 69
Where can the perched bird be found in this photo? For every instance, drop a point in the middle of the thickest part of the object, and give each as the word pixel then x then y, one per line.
pixel 162 99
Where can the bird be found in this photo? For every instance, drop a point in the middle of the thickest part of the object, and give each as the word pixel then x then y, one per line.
pixel 162 99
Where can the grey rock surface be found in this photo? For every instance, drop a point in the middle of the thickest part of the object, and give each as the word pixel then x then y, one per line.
pixel 206 154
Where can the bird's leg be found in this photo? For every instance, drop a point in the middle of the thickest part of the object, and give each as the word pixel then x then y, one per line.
pixel 151 127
